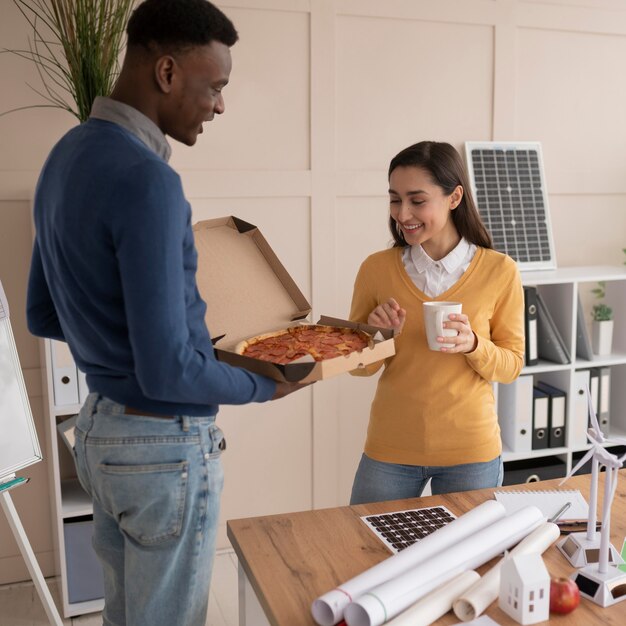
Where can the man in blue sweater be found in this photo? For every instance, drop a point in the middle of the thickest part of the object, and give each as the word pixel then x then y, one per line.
pixel 113 274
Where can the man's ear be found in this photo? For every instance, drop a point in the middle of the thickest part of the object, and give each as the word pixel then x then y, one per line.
pixel 164 73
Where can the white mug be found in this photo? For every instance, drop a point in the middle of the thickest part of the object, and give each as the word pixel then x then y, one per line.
pixel 435 314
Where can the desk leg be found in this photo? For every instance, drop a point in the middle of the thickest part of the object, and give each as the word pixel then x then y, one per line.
pixel 250 611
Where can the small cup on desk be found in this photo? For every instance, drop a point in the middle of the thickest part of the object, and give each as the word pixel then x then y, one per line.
pixel 435 314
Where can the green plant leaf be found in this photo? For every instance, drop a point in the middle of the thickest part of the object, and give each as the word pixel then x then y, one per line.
pixel 75 46
pixel 602 312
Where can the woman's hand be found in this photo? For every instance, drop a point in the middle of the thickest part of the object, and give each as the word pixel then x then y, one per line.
pixel 466 340
pixel 389 314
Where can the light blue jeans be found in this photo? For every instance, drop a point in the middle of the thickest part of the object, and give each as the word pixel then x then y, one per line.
pixel 376 481
pixel 156 486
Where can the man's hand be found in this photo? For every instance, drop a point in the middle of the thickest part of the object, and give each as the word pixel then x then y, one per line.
pixel 284 389
pixel 389 314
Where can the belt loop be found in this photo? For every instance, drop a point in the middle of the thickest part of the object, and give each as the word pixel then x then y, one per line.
pixel 185 419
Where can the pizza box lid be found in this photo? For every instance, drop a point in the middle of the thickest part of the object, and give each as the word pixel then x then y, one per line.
pixel 249 292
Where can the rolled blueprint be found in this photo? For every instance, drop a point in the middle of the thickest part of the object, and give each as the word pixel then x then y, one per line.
pixel 480 595
pixel 385 601
pixel 437 603
pixel 329 608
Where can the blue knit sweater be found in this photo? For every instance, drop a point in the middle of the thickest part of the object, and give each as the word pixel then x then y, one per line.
pixel 113 274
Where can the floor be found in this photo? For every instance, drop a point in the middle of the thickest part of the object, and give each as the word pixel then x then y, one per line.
pixel 20 605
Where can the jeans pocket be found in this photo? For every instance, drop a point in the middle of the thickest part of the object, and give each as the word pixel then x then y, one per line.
pixel 147 500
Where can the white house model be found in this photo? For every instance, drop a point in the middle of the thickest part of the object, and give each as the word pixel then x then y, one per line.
pixel 525 589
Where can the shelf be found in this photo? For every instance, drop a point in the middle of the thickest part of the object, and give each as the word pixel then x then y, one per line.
pixel 615 358
pixel 81 608
pixel 74 500
pixel 67 409
pixel 508 455
pixel 574 275
pixel 547 366
pixel 560 289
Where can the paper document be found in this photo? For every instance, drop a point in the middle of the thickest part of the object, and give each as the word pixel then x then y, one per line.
pixel 548 502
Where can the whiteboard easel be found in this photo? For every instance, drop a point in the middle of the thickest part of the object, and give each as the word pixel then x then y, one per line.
pixel 18 450
pixel 29 556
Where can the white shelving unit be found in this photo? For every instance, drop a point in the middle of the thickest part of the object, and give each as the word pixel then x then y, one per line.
pixel 69 500
pixel 560 289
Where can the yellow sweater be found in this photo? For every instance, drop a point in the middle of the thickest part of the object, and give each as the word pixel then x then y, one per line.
pixel 433 408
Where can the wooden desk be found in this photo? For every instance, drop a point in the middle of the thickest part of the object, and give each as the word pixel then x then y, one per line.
pixel 286 561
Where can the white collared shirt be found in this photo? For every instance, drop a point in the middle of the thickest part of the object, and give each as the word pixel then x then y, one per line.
pixel 435 277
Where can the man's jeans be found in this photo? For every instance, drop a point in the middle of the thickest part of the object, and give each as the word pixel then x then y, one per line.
pixel 156 486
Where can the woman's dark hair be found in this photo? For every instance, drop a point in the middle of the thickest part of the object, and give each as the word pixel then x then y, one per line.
pixel 446 168
pixel 175 25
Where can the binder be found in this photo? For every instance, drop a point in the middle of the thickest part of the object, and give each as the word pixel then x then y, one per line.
pixel 530 325
pixel 583 343
pixel 515 413
pixel 556 436
pixel 550 345
pixel 604 400
pixel 64 374
pixel 541 419
pixel 83 390
pixel 580 409
pixel 594 389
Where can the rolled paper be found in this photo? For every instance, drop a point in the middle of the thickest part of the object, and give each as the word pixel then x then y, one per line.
pixel 472 603
pixel 385 601
pixel 329 608
pixel 437 603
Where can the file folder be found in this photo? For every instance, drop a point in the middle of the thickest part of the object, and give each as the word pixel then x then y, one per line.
pixel 64 374
pixel 556 437
pixel 580 409
pixel 594 389
pixel 604 400
pixel 550 345
pixel 83 390
pixel 541 419
pixel 515 413
pixel 530 325
pixel 583 343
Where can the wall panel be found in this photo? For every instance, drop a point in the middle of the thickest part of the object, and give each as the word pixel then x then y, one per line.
pixel 399 81
pixel 266 122
pixel 574 106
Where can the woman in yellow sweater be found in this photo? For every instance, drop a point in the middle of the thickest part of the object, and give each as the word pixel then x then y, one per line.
pixel 434 414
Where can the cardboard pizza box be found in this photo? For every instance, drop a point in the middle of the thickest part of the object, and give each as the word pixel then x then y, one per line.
pixel 249 292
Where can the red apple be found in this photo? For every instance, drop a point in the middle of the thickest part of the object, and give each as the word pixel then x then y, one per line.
pixel 564 595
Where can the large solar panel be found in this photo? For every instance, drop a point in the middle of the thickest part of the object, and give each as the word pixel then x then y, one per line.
pixel 508 183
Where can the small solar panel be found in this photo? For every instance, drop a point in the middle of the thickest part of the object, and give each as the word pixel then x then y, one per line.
pixel 400 529
pixel 508 183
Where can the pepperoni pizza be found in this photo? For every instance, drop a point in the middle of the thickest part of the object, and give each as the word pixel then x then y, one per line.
pixel 320 342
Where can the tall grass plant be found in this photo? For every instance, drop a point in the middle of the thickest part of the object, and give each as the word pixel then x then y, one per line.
pixel 75 46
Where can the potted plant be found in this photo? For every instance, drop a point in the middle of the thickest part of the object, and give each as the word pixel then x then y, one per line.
pixel 75 46
pixel 602 326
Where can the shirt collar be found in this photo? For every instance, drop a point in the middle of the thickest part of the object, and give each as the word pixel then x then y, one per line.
pixel 133 121
pixel 452 261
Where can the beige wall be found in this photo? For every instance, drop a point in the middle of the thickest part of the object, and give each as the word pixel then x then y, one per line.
pixel 323 94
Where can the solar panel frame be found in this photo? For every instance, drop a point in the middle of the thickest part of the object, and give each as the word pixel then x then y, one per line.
pixel 508 183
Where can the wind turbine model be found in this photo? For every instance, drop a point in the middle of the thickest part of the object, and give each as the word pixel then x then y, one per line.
pixel 598 581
